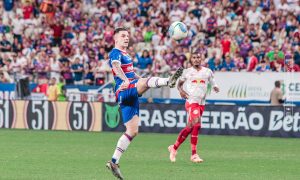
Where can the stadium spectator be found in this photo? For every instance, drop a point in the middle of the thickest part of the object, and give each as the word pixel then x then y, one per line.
pixel 15 67
pixel 254 16
pixel 161 68
pixel 18 26
pixel 52 90
pixel 89 69
pixel 65 48
pixel 297 55
pixel 42 66
pixel 100 73
pixel 226 42
pixel 144 60
pixel 291 66
pixel 263 66
pixel 252 61
pixel 211 25
pixel 77 70
pixel 27 10
pixel 228 64
pixel 239 63
pixel 3 78
pixel 70 29
pixel 215 64
pixel 5 45
pixel 61 90
pixel 42 87
pixel 55 68
pixel 16 46
pixel 5 69
pixel 66 72
pixel 8 12
pixel 57 28
pixel 176 14
pixel 245 47
pixel 276 96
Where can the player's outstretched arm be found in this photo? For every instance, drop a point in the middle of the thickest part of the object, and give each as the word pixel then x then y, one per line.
pixel 116 65
pixel 213 82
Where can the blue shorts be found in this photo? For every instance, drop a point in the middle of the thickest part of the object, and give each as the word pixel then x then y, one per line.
pixel 129 102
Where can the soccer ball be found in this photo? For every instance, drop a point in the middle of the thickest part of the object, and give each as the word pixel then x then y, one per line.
pixel 178 30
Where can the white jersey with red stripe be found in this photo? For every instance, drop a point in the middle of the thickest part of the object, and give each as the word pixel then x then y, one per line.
pixel 196 83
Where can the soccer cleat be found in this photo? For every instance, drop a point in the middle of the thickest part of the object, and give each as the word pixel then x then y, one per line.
pixel 173 153
pixel 174 77
pixel 115 169
pixel 196 159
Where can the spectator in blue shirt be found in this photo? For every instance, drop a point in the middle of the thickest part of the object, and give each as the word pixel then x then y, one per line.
pixel 211 61
pixel 215 64
pixel 2 27
pixel 5 45
pixel 77 70
pixel 144 60
pixel 228 64
pixel 263 66
pixel 8 5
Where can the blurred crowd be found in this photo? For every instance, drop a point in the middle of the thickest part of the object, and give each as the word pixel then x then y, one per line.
pixel 70 40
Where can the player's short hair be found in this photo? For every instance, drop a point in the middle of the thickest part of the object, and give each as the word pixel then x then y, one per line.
pixel 277 84
pixel 119 29
pixel 193 53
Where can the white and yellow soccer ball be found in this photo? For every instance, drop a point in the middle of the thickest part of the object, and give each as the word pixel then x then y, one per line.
pixel 178 30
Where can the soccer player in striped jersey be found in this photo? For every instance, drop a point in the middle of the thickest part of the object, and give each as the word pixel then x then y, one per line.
pixel 129 87
pixel 196 79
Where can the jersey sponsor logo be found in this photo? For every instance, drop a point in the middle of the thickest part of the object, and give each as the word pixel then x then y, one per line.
pixel 195 112
pixel 127 68
pixel 198 81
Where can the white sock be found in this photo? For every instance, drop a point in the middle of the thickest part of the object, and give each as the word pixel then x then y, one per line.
pixel 156 82
pixel 122 145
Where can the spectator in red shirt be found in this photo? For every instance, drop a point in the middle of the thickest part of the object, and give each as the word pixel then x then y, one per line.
pixel 42 87
pixel 252 61
pixel 291 66
pixel 66 49
pixel 27 11
pixel 58 29
pixel 226 45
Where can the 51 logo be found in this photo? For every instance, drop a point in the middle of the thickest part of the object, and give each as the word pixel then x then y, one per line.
pixel 80 116
pixel 7 114
pixel 40 115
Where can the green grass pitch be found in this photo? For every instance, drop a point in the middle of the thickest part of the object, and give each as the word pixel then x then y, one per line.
pixel 55 155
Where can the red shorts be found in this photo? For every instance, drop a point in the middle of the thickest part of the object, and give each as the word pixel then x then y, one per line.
pixel 194 110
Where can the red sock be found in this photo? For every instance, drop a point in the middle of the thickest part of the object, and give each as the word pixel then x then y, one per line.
pixel 182 136
pixel 194 138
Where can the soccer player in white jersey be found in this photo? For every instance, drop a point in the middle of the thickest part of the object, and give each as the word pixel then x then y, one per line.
pixel 196 80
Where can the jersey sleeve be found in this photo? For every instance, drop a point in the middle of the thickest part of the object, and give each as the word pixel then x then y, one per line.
pixel 114 56
pixel 212 79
